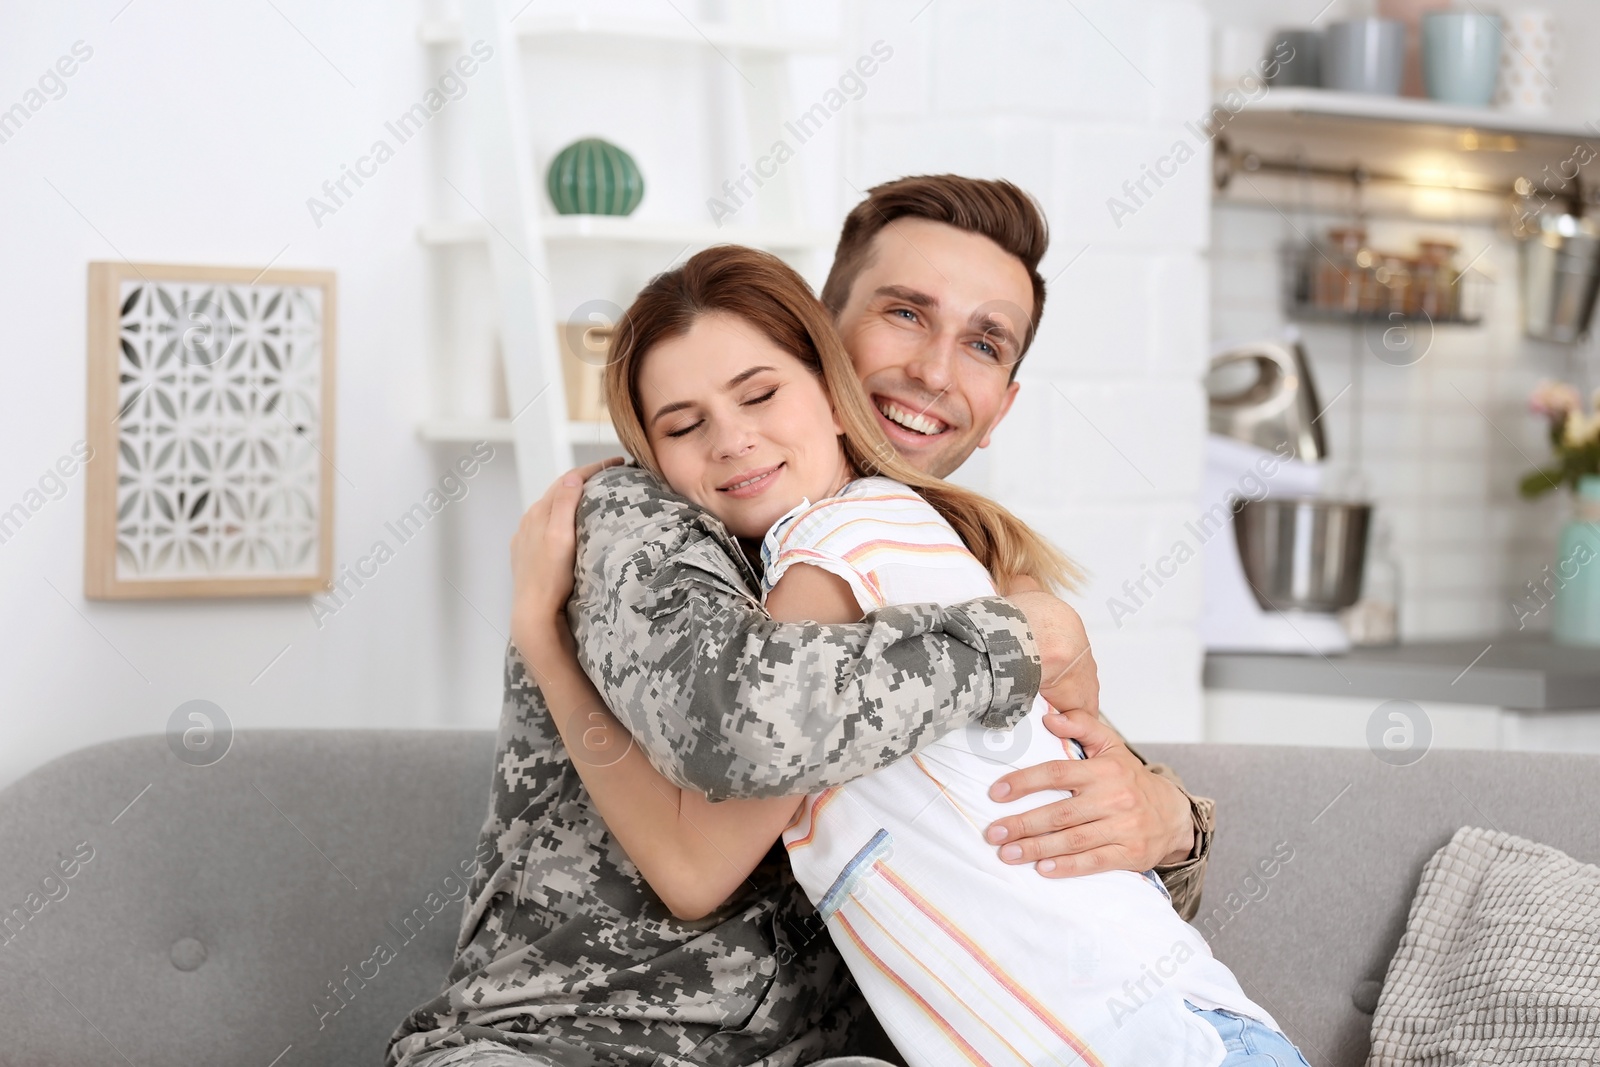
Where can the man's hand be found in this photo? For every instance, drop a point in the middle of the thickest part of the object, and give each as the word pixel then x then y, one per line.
pixel 543 553
pixel 1120 816
pixel 1069 679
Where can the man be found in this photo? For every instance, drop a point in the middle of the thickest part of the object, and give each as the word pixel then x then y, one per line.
pixel 564 955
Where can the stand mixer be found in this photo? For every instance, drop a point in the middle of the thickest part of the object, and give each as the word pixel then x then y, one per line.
pixel 1282 560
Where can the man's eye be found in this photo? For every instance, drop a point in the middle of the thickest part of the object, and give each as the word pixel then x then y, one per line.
pixel 988 350
pixel 910 316
pixel 684 431
pixel 763 398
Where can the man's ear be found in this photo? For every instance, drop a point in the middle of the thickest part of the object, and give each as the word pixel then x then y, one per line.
pixel 1005 406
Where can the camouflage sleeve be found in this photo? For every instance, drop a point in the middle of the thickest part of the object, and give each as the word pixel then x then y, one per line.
pixel 1185 879
pixel 528 783
pixel 732 704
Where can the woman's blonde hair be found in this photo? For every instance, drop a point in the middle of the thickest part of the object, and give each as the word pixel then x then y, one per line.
pixel 765 292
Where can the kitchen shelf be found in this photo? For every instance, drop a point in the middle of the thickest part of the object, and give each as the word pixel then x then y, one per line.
pixel 1306 268
pixel 1358 136
pixel 1313 106
pixel 684 32
pixel 453 431
pixel 622 229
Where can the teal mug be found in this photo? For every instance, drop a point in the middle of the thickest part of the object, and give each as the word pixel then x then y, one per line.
pixel 1461 56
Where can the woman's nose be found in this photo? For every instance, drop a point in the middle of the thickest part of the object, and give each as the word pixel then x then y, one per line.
pixel 732 439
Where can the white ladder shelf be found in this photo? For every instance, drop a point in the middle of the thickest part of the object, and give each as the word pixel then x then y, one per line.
pixel 514 217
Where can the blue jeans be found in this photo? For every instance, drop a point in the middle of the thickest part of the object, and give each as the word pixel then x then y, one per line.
pixel 1250 1043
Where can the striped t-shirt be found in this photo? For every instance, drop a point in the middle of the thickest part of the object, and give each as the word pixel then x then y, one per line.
pixel 963 958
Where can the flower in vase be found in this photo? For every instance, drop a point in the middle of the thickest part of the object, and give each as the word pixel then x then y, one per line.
pixel 1581 430
pixel 1574 438
pixel 1553 400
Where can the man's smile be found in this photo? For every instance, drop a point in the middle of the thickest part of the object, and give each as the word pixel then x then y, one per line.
pixel 918 422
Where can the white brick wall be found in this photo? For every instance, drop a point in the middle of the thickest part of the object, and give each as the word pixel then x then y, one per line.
pixel 1443 442
pixel 1102 450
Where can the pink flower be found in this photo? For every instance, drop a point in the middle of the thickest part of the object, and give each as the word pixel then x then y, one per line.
pixel 1553 400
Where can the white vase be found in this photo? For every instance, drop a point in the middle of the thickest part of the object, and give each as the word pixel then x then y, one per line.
pixel 1528 62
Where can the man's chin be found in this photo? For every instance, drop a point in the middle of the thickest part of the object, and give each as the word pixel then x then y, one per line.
pixel 933 454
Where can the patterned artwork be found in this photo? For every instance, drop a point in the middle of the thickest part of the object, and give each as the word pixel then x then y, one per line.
pixel 219 443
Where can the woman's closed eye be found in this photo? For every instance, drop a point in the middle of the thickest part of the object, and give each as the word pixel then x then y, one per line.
pixel 684 431
pixel 762 398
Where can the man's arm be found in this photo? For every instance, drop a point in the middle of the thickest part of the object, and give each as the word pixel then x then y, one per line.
pixel 725 700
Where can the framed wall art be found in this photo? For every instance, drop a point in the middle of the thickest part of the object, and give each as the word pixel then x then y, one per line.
pixel 210 398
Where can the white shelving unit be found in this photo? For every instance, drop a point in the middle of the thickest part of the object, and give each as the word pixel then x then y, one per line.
pixel 521 237
pixel 743 37
pixel 629 231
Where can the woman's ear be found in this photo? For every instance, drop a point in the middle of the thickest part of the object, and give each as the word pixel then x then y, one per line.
pixel 838 427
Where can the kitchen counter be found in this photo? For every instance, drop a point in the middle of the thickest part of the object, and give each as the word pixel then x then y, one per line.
pixel 1517 672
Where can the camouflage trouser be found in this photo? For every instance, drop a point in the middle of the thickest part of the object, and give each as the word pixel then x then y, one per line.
pixel 494 1054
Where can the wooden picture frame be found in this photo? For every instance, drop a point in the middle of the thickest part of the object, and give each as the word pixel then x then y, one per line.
pixel 211 430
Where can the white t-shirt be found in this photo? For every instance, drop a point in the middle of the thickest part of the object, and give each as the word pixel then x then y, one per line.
pixel 964 958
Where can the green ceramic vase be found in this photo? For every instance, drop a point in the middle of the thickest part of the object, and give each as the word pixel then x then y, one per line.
pixel 1577 571
pixel 594 177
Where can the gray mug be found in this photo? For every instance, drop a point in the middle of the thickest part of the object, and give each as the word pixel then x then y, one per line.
pixel 1364 56
pixel 1304 63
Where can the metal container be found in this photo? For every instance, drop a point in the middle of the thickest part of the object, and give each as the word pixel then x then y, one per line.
pixel 1262 393
pixel 1560 276
pixel 1303 553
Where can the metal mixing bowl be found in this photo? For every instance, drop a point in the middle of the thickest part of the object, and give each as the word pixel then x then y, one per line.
pixel 1302 553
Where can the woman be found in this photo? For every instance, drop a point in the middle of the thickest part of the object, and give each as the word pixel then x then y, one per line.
pixel 727 381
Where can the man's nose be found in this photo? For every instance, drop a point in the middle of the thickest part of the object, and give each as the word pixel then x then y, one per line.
pixel 934 363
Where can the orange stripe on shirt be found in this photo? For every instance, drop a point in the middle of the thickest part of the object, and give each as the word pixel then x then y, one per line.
pixel 879 545
pixel 817 805
pixel 954 803
pixel 861 906
pixel 801 525
pixel 988 963
pixel 943 1024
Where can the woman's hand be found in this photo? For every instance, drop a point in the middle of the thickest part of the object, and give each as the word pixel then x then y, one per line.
pixel 543 554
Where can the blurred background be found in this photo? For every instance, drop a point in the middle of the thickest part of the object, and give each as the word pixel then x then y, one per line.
pixel 1355 237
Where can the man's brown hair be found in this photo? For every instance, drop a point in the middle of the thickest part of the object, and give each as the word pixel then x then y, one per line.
pixel 995 209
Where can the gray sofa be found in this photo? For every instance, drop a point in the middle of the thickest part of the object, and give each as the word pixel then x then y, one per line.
pixel 212 917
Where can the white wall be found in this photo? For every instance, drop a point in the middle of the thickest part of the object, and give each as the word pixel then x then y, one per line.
pixel 195 134
pixel 1102 449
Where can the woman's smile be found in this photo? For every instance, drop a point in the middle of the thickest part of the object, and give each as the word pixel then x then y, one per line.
pixel 747 484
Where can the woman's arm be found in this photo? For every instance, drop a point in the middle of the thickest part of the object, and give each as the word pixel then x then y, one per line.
pixel 732 703
pixel 693 852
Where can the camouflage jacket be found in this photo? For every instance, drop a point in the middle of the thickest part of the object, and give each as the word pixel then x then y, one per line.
pixel 564 950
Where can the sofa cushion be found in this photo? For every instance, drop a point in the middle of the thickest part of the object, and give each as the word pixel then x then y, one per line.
pixel 233 913
pixel 1312 941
